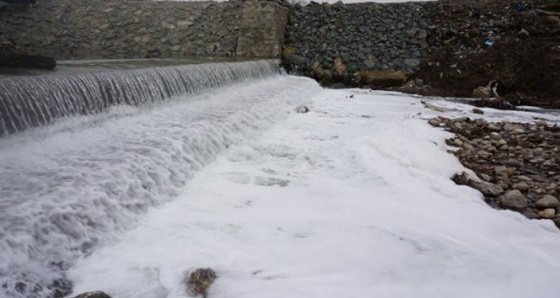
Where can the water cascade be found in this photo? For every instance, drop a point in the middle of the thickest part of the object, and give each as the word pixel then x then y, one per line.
pixel 29 102
pixel 75 185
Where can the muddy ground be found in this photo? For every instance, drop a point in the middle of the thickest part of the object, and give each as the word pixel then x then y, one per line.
pixel 516 43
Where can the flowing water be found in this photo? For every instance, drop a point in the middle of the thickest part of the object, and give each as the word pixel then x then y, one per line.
pixel 82 157
pixel 29 102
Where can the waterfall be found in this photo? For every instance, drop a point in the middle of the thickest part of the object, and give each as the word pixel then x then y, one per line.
pixel 38 101
pixel 73 186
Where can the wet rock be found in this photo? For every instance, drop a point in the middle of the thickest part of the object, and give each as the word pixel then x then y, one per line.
pixel 96 294
pixel 482 92
pixel 477 111
pixel 546 202
pixel 514 200
pixel 302 109
pixel 199 281
pixel 547 213
pixel 322 75
pixel 486 188
pixel 381 78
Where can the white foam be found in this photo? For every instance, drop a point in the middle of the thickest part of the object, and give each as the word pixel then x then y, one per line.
pixel 70 187
pixel 350 200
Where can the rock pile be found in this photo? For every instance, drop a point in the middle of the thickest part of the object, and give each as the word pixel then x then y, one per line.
pixel 517 164
pixel 364 36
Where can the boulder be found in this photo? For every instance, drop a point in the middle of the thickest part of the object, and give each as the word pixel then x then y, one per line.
pixel 200 280
pixel 302 109
pixel 482 92
pixel 322 75
pixel 486 188
pixel 96 294
pixel 514 200
pixel 547 213
pixel 381 78
pixel 546 202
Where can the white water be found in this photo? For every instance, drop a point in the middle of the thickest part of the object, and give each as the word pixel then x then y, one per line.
pixel 27 102
pixel 70 187
pixel 350 200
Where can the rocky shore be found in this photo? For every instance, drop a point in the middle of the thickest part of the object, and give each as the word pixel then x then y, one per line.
pixel 517 165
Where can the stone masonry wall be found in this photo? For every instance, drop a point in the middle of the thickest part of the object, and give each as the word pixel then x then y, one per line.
pixel 368 36
pixel 139 29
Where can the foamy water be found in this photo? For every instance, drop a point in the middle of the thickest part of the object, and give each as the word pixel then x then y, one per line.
pixel 350 200
pixel 70 187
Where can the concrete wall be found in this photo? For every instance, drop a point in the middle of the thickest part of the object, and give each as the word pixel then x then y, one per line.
pixel 134 29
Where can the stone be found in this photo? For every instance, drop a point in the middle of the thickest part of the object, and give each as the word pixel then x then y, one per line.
pixel 482 92
pixel 547 201
pixel 434 122
pixel 541 123
pixel 302 109
pixel 494 127
pixel 199 281
pixel 521 186
pixel 485 177
pixel 96 294
pixel 412 62
pixel 322 75
pixel 547 213
pixel 339 67
pixel 501 171
pixel 486 188
pixel 514 200
pixel 477 111
pixel 296 60
pixel 381 78
pixel 184 24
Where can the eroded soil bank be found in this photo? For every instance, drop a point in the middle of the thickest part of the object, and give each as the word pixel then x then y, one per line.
pixel 515 43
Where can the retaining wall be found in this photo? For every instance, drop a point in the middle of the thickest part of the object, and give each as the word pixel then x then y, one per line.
pixel 135 29
pixel 368 36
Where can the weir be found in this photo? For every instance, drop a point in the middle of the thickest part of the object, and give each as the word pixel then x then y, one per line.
pixel 37 101
pixel 70 191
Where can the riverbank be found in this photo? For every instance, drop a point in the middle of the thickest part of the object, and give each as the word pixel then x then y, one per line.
pixel 484 49
pixel 516 164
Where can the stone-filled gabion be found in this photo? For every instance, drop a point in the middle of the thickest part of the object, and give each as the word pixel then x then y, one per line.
pixel 368 36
